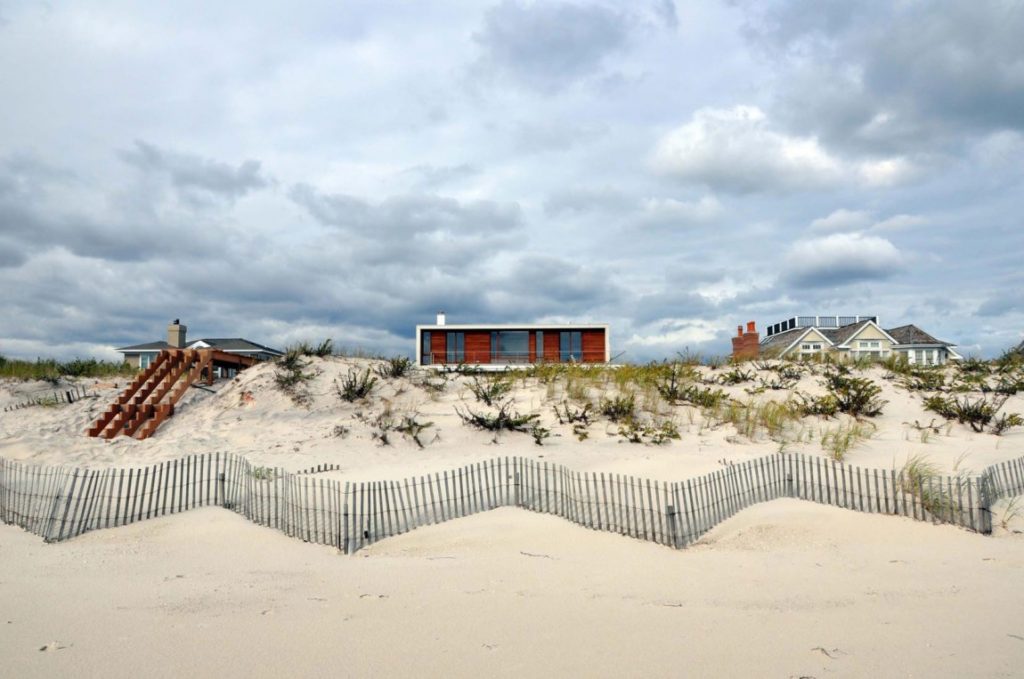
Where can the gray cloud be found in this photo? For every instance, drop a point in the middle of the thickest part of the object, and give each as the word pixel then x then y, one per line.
pixel 194 177
pixel 897 77
pixel 549 45
pixel 424 217
pixel 431 177
pixel 529 195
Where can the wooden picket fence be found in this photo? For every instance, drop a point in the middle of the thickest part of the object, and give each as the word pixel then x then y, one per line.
pixel 58 502
pixel 75 393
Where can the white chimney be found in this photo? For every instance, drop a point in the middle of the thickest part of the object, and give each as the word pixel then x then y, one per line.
pixel 440 318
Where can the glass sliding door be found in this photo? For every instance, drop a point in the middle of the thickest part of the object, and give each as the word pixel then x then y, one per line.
pixel 570 346
pixel 456 347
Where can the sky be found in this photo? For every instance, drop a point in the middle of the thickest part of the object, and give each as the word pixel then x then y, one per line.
pixel 298 171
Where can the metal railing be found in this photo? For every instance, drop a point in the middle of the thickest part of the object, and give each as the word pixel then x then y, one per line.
pixel 510 358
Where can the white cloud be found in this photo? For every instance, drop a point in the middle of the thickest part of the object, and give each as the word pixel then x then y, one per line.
pixel 899 223
pixel 675 334
pixel 848 221
pixel 840 259
pixel 886 172
pixel 842 220
pixel 737 149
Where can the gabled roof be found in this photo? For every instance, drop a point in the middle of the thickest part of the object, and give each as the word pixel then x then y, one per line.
pixel 232 344
pixel 784 341
pixel 848 332
pixel 911 334
pixel 236 344
pixel 148 346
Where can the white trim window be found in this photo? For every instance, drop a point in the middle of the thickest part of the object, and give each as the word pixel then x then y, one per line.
pixel 145 360
pixel 810 347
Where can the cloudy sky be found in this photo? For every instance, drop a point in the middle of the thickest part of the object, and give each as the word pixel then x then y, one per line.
pixel 286 171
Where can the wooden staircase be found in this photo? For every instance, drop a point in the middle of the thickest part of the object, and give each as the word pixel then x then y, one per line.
pixel 150 398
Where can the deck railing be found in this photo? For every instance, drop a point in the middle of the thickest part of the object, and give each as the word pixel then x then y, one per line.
pixel 510 358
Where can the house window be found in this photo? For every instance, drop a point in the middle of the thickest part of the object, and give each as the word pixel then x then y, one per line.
pixel 456 347
pixel 570 346
pixel 510 346
pixel 872 344
pixel 810 346
pixel 425 348
pixel 540 345
pixel 145 360
pixel 919 356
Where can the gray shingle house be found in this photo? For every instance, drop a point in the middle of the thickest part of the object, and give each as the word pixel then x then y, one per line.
pixel 141 355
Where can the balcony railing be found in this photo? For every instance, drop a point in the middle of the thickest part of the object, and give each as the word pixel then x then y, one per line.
pixel 507 358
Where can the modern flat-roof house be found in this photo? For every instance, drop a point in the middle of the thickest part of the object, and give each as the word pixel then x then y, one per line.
pixel 505 345
pixel 141 355
pixel 850 337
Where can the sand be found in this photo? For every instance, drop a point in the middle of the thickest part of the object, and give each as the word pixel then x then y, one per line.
pixel 784 589
pixel 787 589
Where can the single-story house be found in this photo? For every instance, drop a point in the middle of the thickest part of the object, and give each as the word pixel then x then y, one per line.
pixel 853 337
pixel 504 345
pixel 141 355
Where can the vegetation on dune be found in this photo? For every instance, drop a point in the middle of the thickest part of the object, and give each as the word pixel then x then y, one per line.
pixel 838 442
pixel 393 368
pixel 355 386
pixel 506 419
pixel 979 414
pixel 922 479
pixel 51 370
pixel 290 376
pixel 304 348
pixel 490 390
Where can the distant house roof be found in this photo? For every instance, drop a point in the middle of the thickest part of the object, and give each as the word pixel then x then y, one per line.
pixel 781 341
pixel 911 334
pixel 235 345
pixel 148 346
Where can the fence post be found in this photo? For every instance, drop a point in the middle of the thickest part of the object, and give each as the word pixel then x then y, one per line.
pixel 519 502
pixel 984 504
pixel 670 513
pixel 220 484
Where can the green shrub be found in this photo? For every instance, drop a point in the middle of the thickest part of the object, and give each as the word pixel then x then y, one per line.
pixel 621 408
pixel 856 396
pixel 570 415
pixel 355 386
pixel 325 348
pixel 411 427
pixel 394 368
pixel 823 406
pixel 658 434
pixel 291 378
pixel 491 390
pixel 505 419
pixel 735 376
pixel 922 379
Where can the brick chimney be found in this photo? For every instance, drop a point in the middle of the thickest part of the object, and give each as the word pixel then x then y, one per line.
pixel 176 334
pixel 746 345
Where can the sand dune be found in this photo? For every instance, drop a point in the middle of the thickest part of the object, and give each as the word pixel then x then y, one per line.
pixel 783 589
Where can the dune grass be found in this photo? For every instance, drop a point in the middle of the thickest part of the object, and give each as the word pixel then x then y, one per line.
pixel 51 370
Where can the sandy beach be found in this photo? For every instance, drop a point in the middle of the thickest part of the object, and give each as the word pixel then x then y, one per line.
pixel 787 588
